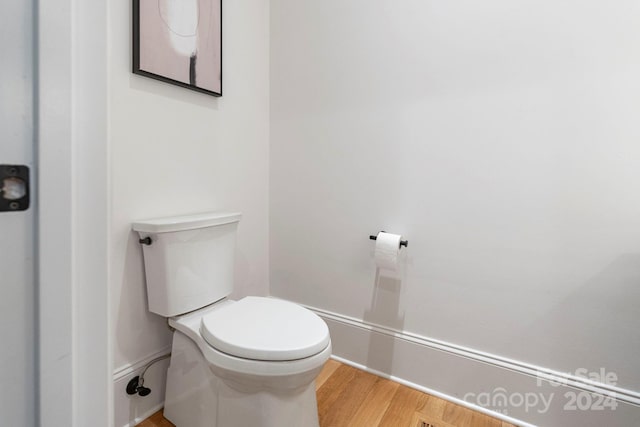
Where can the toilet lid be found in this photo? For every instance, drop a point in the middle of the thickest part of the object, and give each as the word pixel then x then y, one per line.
pixel 265 329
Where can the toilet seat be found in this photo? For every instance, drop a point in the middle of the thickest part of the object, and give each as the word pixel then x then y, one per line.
pixel 191 325
pixel 224 364
pixel 266 329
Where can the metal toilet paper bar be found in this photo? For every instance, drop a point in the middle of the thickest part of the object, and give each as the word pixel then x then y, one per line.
pixel 404 243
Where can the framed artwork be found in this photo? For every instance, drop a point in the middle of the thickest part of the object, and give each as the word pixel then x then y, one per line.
pixel 179 42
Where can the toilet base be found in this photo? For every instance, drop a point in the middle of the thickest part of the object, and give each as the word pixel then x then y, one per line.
pixel 196 397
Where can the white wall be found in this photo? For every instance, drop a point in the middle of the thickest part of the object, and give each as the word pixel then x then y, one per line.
pixel 174 151
pixel 500 137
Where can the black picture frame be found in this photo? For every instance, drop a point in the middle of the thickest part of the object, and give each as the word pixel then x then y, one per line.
pixel 136 69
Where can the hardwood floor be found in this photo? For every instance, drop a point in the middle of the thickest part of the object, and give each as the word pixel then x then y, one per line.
pixel 156 420
pixel 349 397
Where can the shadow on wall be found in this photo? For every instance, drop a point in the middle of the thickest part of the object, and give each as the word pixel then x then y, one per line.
pixel 137 328
pixel 172 93
pixel 384 311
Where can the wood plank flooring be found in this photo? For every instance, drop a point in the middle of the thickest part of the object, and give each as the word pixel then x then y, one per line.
pixel 349 397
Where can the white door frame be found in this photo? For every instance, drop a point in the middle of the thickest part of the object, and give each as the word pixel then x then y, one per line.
pixel 72 170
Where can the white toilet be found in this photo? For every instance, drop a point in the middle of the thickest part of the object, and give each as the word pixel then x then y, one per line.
pixel 251 362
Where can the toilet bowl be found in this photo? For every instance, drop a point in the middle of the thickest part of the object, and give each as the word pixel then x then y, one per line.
pixel 251 362
pixel 261 373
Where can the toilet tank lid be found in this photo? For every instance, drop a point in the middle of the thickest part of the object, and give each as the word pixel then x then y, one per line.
pixel 186 222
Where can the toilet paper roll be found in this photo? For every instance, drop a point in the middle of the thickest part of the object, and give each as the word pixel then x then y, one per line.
pixel 387 249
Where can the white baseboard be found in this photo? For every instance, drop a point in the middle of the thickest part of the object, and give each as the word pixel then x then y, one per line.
pixel 467 377
pixel 131 410
pixel 127 369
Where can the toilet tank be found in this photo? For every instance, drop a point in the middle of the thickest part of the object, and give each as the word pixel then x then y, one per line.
pixel 189 262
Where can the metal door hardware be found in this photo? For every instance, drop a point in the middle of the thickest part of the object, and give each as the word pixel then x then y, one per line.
pixel 14 188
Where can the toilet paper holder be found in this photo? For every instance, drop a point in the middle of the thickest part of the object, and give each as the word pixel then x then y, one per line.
pixel 404 243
